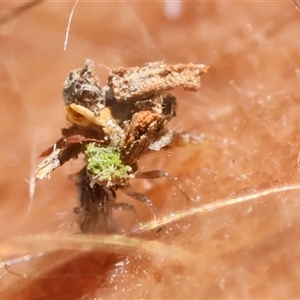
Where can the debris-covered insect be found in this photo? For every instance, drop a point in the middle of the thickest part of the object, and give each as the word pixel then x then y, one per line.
pixel 114 126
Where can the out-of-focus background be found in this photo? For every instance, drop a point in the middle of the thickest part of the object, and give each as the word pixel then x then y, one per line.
pixel 247 109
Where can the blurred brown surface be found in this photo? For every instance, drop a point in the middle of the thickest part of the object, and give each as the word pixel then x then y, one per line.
pixel 247 109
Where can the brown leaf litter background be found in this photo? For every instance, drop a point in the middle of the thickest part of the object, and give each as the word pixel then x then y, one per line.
pixel 247 108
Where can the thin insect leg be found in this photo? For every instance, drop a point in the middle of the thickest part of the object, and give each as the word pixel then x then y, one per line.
pixel 128 190
pixel 126 207
pixel 7 268
pixel 160 174
pixel 182 139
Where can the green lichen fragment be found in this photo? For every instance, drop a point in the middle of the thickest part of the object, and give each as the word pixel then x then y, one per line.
pixel 105 165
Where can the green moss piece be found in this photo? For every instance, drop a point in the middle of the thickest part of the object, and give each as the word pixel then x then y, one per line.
pixel 105 165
